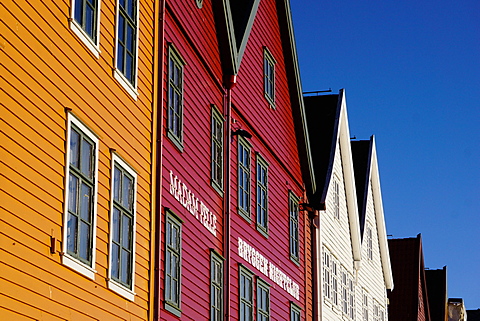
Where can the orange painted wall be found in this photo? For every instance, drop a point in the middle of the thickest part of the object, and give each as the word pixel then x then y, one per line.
pixel 45 68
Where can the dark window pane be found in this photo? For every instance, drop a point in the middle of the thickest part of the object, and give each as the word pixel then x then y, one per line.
pixel 78 11
pixel 121 29
pixel 89 21
pixel 74 148
pixel 72 233
pixel 115 261
pixel 120 58
pixel 126 232
pixel 127 192
pixel 116 226
pixel 72 194
pixel 117 181
pixel 85 202
pixel 126 267
pixel 87 158
pixel 85 241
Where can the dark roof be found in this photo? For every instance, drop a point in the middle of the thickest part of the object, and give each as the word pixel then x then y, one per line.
pixel 322 113
pixel 361 157
pixel 473 315
pixel 437 293
pixel 406 257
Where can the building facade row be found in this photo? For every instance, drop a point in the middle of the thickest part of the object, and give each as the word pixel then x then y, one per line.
pixel 157 164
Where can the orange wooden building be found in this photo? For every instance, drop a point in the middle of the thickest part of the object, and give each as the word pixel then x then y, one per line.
pixel 77 88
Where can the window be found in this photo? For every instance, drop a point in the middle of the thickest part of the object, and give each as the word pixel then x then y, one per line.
pixel 376 312
pixel 173 262
pixel 175 97
pixel 269 76
pixel 217 150
pixel 79 231
pixel 369 243
pixel 85 23
pixel 262 195
pixel 243 178
pixel 382 315
pixel 122 228
pixel 336 198
pixel 245 280
pixel 263 300
pixel 294 229
pixel 365 306
pixel 216 287
pixel 327 287
pixel 344 292
pixel 352 300
pixel 127 45
pixel 334 283
pixel 294 312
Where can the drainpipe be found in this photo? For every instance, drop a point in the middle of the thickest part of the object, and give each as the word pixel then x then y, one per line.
pixel 230 83
pixel 157 152
pixel 316 256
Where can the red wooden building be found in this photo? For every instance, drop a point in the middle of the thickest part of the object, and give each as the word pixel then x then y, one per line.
pixel 234 167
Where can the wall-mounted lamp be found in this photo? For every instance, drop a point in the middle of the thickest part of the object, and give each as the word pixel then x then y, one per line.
pixel 242 132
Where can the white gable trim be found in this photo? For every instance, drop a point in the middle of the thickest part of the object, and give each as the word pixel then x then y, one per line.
pixel 341 136
pixel 379 216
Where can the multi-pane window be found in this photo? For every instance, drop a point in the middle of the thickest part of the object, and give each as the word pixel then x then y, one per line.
pixel 262 195
pixel 127 42
pixel 175 97
pixel 344 285
pixel 245 280
pixel 351 313
pixel 217 150
pixel 294 312
pixel 85 22
pixel 269 76
pixel 369 243
pixel 122 226
pixel 294 228
pixel 81 195
pixel 334 282
pixel 216 287
pixel 336 198
pixel 365 306
pixel 382 315
pixel 173 263
pixel 376 312
pixel 327 266
pixel 263 301
pixel 243 178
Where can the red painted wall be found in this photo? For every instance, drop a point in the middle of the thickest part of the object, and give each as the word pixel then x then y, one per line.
pixel 192 31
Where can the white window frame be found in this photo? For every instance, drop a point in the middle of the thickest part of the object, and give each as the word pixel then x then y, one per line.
pixel 113 284
pixel 369 242
pixel 336 198
pixel 327 277
pixel 93 46
pixel 269 65
pixel 67 259
pixel 132 89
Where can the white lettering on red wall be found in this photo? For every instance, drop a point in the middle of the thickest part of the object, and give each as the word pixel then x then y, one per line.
pixel 255 258
pixel 195 206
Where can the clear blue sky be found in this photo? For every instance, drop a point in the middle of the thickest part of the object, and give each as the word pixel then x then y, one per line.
pixel 411 70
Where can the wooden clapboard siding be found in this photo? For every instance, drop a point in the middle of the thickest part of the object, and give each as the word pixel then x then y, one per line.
pixel 47 69
pixel 274 125
pixel 193 164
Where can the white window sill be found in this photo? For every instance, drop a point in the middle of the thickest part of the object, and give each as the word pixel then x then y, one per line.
pixel 125 84
pixel 78 266
pixel 121 290
pixel 94 47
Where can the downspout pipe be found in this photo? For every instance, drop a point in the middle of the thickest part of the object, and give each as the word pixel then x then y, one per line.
pixel 157 129
pixel 316 256
pixel 230 83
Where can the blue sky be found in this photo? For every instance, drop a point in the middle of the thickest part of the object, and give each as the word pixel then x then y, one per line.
pixel 411 71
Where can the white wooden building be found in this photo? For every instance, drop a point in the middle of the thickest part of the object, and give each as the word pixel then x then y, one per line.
pixel 352 269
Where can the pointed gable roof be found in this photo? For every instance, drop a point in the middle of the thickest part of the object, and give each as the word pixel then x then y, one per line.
pixel 234 20
pixel 365 164
pixel 409 272
pixel 327 124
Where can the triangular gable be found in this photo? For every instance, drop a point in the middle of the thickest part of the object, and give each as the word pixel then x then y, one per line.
pixel 234 20
pixel 364 154
pixel 328 128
